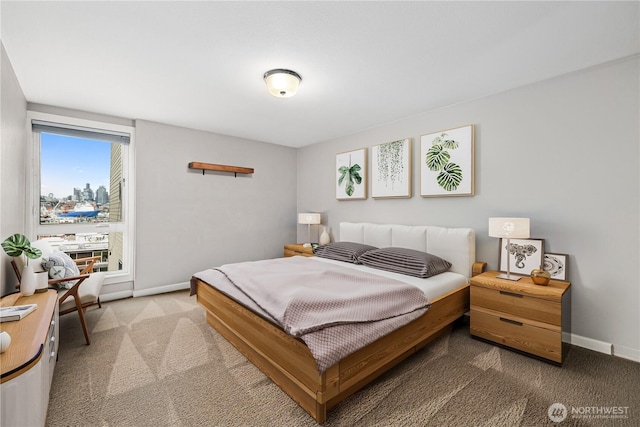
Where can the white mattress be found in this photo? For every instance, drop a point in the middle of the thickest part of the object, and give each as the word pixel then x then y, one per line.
pixel 433 287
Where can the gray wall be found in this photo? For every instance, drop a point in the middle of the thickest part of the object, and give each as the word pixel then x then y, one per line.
pixel 13 151
pixel 187 222
pixel 563 152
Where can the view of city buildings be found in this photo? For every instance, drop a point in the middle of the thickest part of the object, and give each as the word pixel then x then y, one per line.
pixel 83 205
pixel 88 205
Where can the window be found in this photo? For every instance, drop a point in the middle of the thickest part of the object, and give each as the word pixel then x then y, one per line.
pixel 82 192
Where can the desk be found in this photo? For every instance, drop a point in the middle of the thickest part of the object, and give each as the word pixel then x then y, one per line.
pixel 26 368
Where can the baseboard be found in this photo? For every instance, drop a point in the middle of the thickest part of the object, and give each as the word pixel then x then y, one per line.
pixel 161 289
pixel 626 353
pixel 602 347
pixel 115 295
pixel 590 343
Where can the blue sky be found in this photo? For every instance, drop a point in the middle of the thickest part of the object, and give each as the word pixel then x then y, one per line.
pixel 67 163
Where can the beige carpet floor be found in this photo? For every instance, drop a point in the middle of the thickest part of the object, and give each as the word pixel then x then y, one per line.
pixel 154 361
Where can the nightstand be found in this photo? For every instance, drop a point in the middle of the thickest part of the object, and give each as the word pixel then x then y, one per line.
pixel 296 249
pixel 521 315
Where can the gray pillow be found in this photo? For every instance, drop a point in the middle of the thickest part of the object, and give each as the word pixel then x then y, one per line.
pixel 343 251
pixel 60 265
pixel 405 261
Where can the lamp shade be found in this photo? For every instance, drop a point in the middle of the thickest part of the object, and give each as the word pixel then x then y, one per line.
pixel 510 228
pixel 282 83
pixel 309 218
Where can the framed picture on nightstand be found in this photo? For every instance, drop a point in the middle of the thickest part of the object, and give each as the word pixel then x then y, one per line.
pixel 524 255
pixel 556 264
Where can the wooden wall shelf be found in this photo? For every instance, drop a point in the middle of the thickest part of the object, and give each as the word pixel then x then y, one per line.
pixel 220 168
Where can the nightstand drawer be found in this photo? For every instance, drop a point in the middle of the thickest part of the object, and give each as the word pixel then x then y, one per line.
pixel 288 252
pixel 537 309
pixel 519 335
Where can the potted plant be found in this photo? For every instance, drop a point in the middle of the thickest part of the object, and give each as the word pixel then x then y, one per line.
pixel 15 246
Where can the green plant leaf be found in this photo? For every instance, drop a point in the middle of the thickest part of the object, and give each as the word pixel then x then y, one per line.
pixel 450 143
pixel 15 245
pixel 349 188
pixel 437 157
pixel 32 253
pixel 450 177
pixel 18 244
pixel 350 175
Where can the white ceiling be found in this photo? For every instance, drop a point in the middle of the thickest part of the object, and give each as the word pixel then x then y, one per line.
pixel 363 64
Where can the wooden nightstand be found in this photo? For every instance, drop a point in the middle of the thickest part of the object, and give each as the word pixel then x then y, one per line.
pixel 296 249
pixel 521 315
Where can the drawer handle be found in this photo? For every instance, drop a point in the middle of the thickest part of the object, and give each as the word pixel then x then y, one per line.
pixel 53 339
pixel 511 321
pixel 53 353
pixel 511 294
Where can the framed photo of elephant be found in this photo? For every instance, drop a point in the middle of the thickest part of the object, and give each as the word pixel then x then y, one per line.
pixel 524 255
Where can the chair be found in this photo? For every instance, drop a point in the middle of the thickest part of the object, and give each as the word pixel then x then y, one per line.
pixel 84 293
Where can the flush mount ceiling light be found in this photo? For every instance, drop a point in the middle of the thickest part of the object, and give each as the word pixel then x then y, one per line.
pixel 282 83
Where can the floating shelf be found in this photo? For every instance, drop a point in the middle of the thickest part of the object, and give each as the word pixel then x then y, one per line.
pixel 220 168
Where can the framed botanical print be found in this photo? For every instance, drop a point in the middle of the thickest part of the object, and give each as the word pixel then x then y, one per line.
pixel 391 169
pixel 524 255
pixel 351 175
pixel 447 163
pixel 556 265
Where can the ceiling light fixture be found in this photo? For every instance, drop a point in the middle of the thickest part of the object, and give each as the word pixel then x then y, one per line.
pixel 282 83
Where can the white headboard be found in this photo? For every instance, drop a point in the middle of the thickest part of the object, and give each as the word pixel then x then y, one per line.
pixel 456 245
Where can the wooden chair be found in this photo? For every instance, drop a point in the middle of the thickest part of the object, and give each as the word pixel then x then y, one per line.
pixel 84 293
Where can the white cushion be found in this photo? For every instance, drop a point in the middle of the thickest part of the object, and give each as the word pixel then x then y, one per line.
pixel 89 290
pixel 412 237
pixel 456 245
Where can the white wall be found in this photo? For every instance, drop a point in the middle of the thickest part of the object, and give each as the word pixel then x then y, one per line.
pixel 187 222
pixel 13 113
pixel 563 152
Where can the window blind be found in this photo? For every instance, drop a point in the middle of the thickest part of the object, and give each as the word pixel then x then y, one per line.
pixel 80 132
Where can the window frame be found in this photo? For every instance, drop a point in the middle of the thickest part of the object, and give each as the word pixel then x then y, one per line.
pixel 126 226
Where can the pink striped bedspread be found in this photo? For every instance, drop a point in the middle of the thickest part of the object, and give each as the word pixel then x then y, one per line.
pixel 335 310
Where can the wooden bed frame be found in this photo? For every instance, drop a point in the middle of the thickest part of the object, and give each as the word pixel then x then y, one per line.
pixel 288 362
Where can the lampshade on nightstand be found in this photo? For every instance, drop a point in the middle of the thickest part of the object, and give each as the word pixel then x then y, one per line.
pixel 309 219
pixel 509 228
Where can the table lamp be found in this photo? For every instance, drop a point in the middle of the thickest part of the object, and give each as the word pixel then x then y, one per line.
pixel 509 228
pixel 308 219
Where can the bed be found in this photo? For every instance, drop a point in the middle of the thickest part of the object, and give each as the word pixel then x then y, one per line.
pixel 289 362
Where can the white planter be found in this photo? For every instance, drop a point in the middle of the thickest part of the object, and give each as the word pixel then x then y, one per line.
pixel 29 281
pixel 42 280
